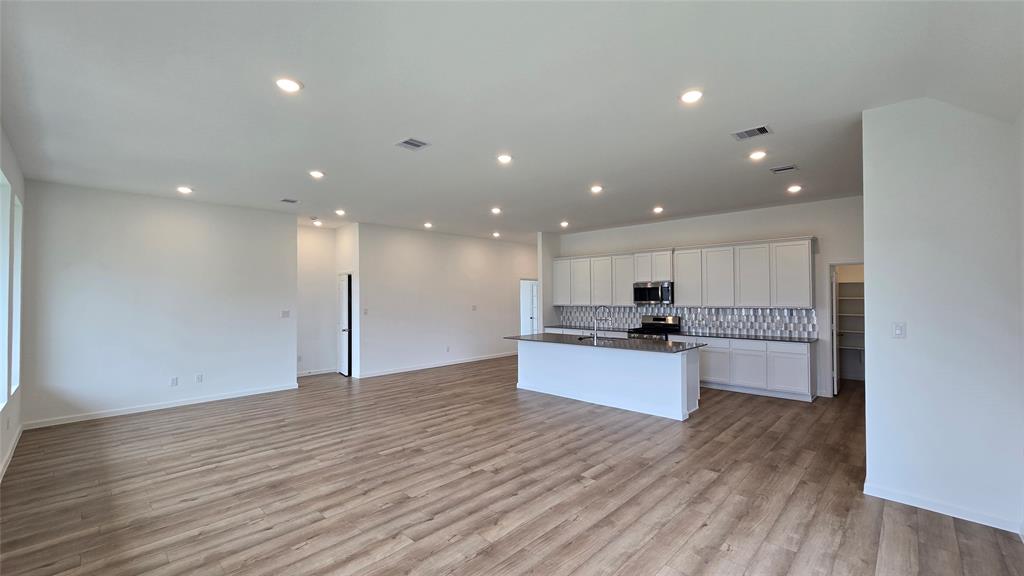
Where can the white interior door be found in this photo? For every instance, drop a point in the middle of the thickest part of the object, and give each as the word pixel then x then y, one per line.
pixel 835 331
pixel 344 324
pixel 528 307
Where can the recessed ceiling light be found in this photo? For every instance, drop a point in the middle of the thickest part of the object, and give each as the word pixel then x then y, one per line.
pixel 564 224
pixel 184 190
pixel 758 155
pixel 658 209
pixel 316 174
pixel 596 188
pixel 339 212
pixel 496 234
pixel 691 96
pixel 794 188
pixel 288 85
pixel 316 221
pixel 495 210
pixel 504 159
pixel 428 225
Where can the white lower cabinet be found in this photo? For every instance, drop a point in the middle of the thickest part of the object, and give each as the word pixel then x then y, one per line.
pixel 749 366
pixel 781 369
pixel 714 361
pixel 789 367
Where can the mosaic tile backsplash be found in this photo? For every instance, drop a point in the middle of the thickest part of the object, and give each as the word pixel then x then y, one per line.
pixel 748 321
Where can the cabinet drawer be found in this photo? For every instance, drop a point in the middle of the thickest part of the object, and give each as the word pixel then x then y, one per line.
pixel 752 345
pixel 789 347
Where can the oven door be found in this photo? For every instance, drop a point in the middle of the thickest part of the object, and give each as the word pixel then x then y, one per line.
pixel 652 293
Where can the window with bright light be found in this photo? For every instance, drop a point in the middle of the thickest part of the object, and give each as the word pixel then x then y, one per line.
pixel 5 283
pixel 16 298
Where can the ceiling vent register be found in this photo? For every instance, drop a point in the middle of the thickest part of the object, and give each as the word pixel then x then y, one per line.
pixel 412 144
pixel 783 169
pixel 747 134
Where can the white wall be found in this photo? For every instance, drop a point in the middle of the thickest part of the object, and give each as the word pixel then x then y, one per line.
pixel 125 291
pixel 548 247
pixel 317 308
pixel 418 290
pixel 837 224
pixel 945 405
pixel 11 420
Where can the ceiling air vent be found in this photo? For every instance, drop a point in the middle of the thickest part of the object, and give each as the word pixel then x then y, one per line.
pixel 412 144
pixel 783 169
pixel 759 131
pixel 289 201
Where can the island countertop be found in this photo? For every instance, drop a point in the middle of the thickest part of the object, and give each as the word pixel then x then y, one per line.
pixel 635 344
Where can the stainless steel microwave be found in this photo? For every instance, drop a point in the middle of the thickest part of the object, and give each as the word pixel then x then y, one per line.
pixel 652 293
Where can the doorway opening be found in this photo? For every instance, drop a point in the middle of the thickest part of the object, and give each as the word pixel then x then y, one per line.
pixel 345 324
pixel 847 324
pixel 528 307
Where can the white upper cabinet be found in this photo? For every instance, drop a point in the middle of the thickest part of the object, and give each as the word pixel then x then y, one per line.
pixel 792 274
pixel 601 281
pixel 643 266
pixel 717 268
pixel 623 273
pixel 753 276
pixel 580 282
pixel 687 278
pixel 653 266
pixel 661 266
pixel 562 285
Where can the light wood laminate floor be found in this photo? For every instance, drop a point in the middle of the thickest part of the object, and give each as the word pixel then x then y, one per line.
pixel 454 471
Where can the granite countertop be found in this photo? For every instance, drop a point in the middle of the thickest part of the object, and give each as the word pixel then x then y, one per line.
pixel 601 328
pixel 733 336
pixel 636 344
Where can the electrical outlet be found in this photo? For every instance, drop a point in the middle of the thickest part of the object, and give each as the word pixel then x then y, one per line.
pixel 474 307
pixel 174 381
pixel 286 313
pixel 199 378
pixel 447 348
pixel 300 359
pixel 366 311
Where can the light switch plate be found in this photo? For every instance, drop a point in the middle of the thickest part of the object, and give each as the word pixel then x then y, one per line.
pixel 899 329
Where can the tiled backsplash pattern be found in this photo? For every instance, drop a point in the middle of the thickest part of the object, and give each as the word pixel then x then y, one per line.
pixel 747 321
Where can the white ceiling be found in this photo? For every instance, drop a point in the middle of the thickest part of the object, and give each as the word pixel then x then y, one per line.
pixel 145 96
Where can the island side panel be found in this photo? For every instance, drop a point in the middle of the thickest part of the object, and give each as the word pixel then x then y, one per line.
pixel 647 382
pixel 692 379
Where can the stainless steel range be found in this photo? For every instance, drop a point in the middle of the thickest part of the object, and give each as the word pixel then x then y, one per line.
pixel 656 327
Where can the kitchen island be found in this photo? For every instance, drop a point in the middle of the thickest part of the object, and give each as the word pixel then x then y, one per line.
pixel 654 377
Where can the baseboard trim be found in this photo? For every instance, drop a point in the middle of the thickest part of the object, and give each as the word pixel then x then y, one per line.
pixel 43 423
pixel 943 508
pixel 758 391
pixel 318 372
pixel 14 446
pixel 435 365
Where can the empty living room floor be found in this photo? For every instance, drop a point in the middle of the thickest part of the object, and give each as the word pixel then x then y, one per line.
pixel 453 471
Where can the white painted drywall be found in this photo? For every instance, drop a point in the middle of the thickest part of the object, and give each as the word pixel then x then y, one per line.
pixel 837 224
pixel 945 405
pixel 346 254
pixel 548 247
pixel 11 414
pixel 125 291
pixel 418 290
pixel 317 307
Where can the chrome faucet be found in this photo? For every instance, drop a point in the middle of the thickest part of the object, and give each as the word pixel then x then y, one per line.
pixel 597 319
